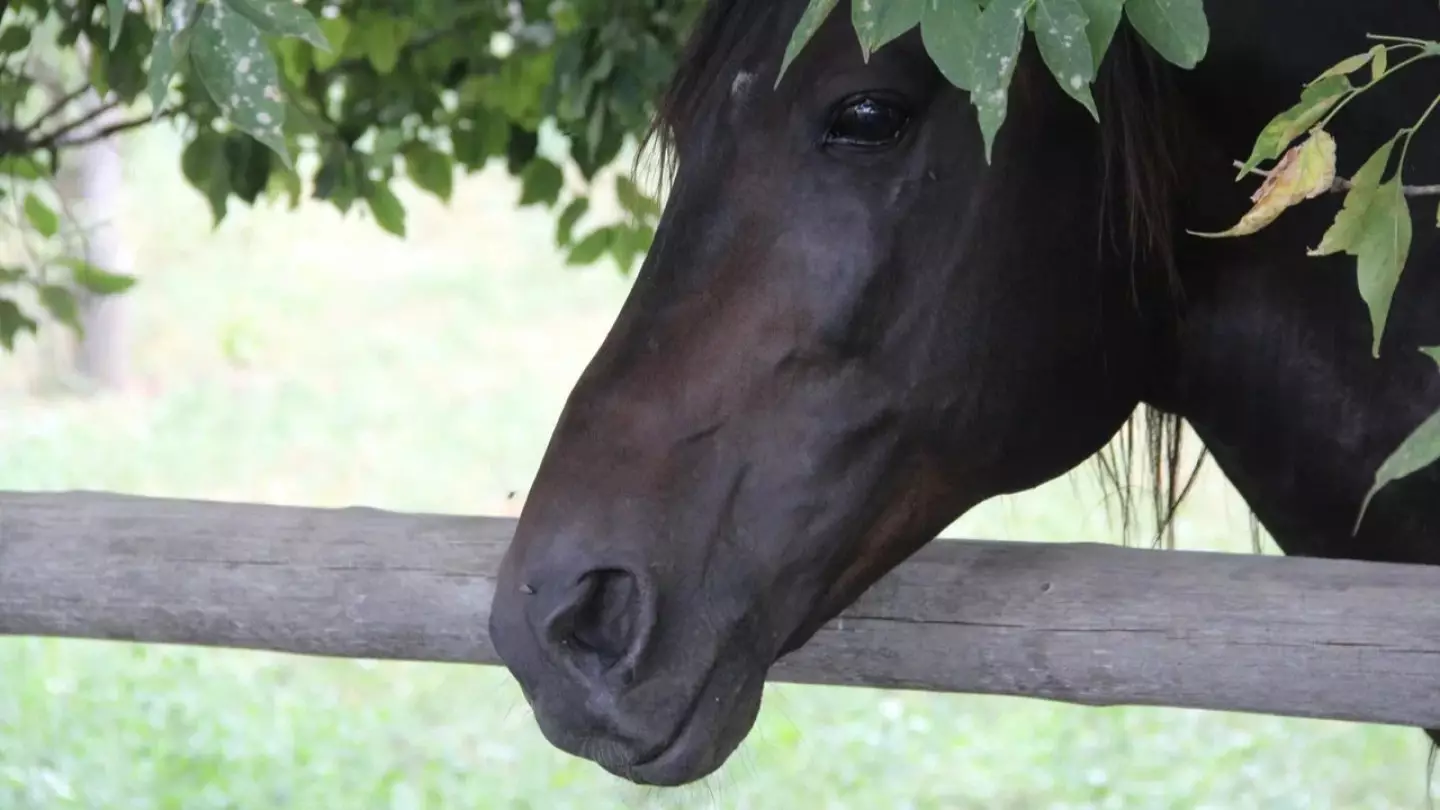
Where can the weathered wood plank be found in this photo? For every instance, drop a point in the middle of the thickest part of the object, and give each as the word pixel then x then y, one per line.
pixel 1080 623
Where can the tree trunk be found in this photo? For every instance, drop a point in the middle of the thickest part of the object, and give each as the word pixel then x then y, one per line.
pixel 91 182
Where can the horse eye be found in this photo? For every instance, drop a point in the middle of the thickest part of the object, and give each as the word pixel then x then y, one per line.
pixel 867 122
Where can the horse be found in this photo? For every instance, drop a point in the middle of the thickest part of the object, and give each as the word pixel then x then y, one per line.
pixel 851 328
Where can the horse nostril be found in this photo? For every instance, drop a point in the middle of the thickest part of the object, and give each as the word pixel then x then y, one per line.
pixel 602 621
pixel 606 626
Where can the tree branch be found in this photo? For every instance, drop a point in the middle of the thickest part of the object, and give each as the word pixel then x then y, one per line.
pixel 56 138
pixel 54 109
pixel 116 128
pixel 1342 184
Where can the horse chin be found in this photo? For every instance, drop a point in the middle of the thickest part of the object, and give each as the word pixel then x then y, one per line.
pixel 719 721
pixel 693 744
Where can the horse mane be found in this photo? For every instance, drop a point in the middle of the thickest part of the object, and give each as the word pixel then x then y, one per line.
pixel 1140 131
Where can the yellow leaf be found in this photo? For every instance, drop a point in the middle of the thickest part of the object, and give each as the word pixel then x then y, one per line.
pixel 1306 171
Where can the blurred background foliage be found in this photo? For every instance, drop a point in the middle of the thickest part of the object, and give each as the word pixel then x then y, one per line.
pixel 333 105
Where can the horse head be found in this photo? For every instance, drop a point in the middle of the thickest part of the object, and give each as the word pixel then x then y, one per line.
pixel 850 329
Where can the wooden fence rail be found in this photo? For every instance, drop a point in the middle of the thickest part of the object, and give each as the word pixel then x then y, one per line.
pixel 1079 623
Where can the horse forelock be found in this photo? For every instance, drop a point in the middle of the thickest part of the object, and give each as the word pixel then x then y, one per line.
pixel 724 29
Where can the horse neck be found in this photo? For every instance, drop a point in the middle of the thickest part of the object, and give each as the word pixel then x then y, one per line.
pixel 1270 361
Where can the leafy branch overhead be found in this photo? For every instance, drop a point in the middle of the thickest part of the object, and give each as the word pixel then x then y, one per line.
pixel 976 44
pixel 340 99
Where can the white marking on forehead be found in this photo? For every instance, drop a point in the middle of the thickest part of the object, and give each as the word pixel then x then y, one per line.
pixel 742 83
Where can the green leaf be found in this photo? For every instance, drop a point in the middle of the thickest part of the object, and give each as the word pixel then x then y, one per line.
pixel 297 59
pixel 430 170
pixel 1381 254
pixel 387 209
pixel 14 39
pixel 603 140
pixel 565 224
pixel 379 37
pixel 520 146
pixel 283 18
pixel 1283 129
pixel 1378 58
pixel 1176 29
pixel 1349 64
pixel 629 243
pixel 387 145
pixel 15 90
pixel 999 36
pixel 336 31
pixel 13 321
pixel 1373 226
pixel 1060 28
pixel 592 247
pixel 1349 225
pixel 1104 16
pixel 249 164
pixel 633 200
pixel 338 181
pixel 1419 450
pixel 205 164
pixel 285 183
pixel 121 68
pixel 171 46
pixel 23 167
pixel 879 22
pixel 487 136
pixel 115 19
pixel 98 71
pixel 41 217
pixel 94 280
pixel 949 29
pixel 815 15
pixel 239 71
pixel 61 304
pixel 541 182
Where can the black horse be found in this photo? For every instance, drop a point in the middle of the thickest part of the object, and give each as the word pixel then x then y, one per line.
pixel 851 329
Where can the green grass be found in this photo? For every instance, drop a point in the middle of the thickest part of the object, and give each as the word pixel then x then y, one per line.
pixel 306 358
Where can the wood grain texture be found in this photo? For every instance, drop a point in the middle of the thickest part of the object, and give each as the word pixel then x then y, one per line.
pixel 1079 623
